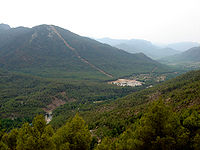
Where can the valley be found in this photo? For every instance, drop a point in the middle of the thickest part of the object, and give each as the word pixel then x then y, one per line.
pixel 50 60
pixel 53 81
pixel 100 75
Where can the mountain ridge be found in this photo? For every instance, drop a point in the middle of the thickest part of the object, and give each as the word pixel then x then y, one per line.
pixel 41 48
pixel 140 45
pixel 4 26
pixel 183 46
pixel 192 55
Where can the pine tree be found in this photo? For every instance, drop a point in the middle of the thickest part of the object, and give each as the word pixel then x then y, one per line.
pixel 155 130
pixel 36 137
pixel 10 139
pixel 105 144
pixel 73 135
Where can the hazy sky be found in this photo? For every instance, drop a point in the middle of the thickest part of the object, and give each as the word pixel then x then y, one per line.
pixel 155 20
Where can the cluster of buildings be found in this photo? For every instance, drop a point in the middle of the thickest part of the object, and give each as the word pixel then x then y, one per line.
pixel 126 82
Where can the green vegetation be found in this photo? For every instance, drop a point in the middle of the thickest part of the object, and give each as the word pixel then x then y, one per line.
pixel 113 117
pixel 159 128
pixel 107 117
pixel 73 135
pixel 39 72
pixel 41 68
pixel 188 60
pixel 39 136
pixel 24 96
pixel 40 51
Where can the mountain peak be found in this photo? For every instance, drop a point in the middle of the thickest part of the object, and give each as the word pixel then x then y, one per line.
pixel 4 26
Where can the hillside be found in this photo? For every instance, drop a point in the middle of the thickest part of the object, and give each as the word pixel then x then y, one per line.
pixel 24 96
pixel 189 59
pixel 10 34
pixel 159 115
pixel 191 55
pixel 138 45
pixel 112 118
pixel 46 50
pixel 151 51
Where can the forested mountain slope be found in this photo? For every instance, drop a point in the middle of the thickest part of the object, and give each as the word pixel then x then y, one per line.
pixel 190 56
pixel 112 118
pixel 24 96
pixel 164 117
pixel 46 50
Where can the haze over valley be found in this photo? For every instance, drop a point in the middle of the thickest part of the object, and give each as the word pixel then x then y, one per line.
pixel 152 50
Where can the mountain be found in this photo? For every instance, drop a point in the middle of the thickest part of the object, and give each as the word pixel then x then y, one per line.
pixel 111 42
pixel 51 51
pixel 183 46
pixel 10 34
pixel 138 45
pixel 190 56
pixel 45 66
pixel 4 27
pixel 151 51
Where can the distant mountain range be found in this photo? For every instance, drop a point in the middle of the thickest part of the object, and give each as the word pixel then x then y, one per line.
pixel 149 49
pixel 183 46
pixel 51 51
pixel 138 45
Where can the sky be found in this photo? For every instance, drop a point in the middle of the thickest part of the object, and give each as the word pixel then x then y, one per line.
pixel 160 21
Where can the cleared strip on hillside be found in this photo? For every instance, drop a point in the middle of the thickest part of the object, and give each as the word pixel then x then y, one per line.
pixel 77 54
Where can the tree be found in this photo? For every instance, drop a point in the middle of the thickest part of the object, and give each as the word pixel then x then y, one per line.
pixel 10 139
pixel 105 144
pixel 36 137
pixel 74 135
pixel 156 130
pixel 3 146
pixel 190 120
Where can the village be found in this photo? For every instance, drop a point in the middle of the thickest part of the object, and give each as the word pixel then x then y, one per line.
pixel 126 82
pixel 148 79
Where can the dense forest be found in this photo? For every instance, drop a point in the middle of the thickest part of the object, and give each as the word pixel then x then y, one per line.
pixel 113 118
pixel 164 117
pixel 159 128
pixel 24 96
